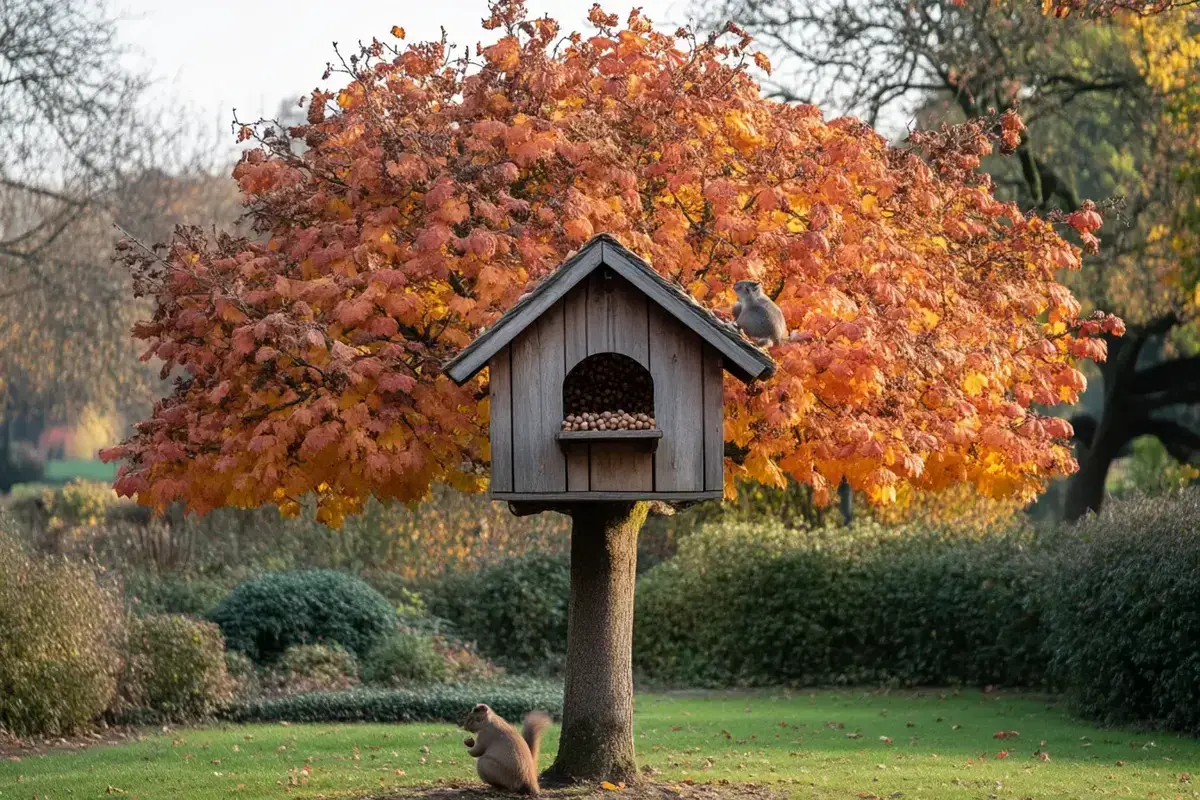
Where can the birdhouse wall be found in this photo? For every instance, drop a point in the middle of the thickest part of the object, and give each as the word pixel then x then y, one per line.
pixel 606 315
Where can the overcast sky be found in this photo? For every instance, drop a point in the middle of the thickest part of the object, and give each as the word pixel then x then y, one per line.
pixel 217 55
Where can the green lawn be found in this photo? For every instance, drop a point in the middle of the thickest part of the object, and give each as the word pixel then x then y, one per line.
pixel 825 745
pixel 88 469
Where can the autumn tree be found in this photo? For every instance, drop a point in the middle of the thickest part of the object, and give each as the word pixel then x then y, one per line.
pixel 435 189
pixel 1110 110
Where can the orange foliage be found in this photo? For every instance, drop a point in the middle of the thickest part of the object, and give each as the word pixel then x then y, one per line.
pixel 960 507
pixel 925 314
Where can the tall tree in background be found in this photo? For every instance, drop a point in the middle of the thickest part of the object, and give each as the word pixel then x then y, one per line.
pixel 1110 105
pixel 79 150
pixel 434 190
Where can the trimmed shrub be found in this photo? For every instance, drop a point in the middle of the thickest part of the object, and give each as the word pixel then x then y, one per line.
pixel 746 604
pixel 1125 616
pixel 176 667
pixel 60 634
pixel 313 668
pixel 435 703
pixel 404 659
pixel 265 616
pixel 515 611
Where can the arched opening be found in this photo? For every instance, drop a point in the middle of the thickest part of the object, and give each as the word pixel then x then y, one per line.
pixel 608 392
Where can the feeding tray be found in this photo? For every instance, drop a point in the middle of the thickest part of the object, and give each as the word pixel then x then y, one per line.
pixel 646 441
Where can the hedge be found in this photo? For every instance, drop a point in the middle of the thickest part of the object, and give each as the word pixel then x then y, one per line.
pixel 1124 614
pixel 435 703
pixel 745 604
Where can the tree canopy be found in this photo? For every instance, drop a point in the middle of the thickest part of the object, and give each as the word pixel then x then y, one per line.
pixel 434 188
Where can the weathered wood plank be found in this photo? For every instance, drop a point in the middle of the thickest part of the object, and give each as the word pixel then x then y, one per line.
pixel 677 368
pixel 575 331
pixel 538 358
pixel 500 414
pixel 575 325
pixel 621 468
pixel 616 317
pixel 714 420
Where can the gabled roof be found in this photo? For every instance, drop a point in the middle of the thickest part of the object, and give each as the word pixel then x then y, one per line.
pixel 744 360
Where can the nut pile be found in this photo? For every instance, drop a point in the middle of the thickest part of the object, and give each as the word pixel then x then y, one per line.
pixel 610 392
pixel 619 420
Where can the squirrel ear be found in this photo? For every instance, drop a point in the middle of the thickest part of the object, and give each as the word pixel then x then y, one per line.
pixel 481 707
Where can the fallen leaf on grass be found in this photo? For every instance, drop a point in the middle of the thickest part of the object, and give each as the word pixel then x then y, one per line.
pixel 609 787
pixel 885 739
pixel 1002 754
pixel 1005 735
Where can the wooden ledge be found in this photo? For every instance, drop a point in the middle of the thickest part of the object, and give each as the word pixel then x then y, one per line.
pixel 641 440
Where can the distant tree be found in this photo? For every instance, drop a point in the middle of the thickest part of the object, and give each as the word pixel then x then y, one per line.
pixel 79 151
pixel 1109 107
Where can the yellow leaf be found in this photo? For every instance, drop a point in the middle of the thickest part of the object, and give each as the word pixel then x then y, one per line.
pixel 869 203
pixel 397 31
pixel 609 787
pixel 974 383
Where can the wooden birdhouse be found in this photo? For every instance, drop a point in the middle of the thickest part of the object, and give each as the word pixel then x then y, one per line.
pixel 606 385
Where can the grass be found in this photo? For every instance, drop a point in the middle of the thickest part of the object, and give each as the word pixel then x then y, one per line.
pixel 61 471
pixel 820 745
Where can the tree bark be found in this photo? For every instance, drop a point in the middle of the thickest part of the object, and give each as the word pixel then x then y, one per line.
pixel 1085 491
pixel 846 502
pixel 596 742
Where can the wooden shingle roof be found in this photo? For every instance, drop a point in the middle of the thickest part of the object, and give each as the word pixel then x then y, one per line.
pixel 743 359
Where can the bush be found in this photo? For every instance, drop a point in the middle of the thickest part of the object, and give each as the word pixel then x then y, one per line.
pixel 762 604
pixel 243 675
pixel 515 610
pixel 403 659
pixel 313 668
pixel 436 703
pixel 464 663
pixel 265 616
pixel 176 667
pixel 172 594
pixel 60 635
pixel 1125 621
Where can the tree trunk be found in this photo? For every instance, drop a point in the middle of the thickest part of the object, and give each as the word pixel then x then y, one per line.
pixel 846 502
pixel 1085 491
pixel 596 742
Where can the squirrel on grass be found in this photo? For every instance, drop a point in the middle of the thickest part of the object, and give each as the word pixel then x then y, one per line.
pixel 507 760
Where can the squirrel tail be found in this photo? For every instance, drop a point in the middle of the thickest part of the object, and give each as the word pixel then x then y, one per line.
pixel 535 725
